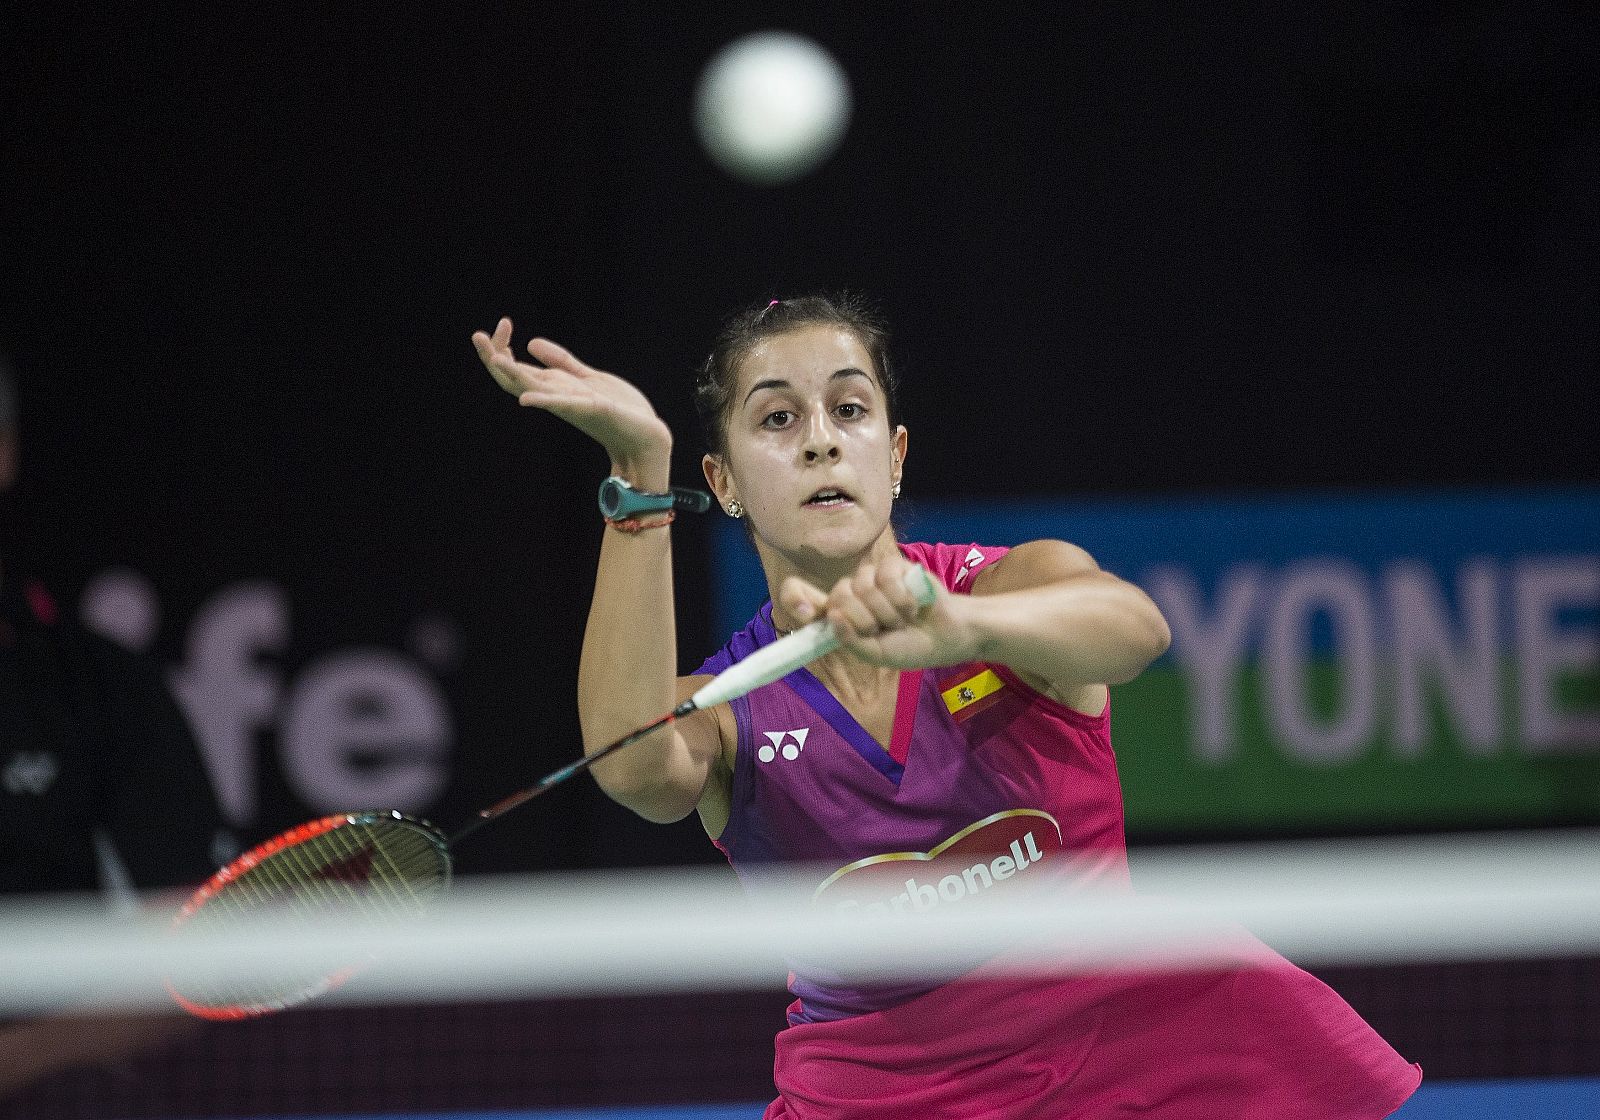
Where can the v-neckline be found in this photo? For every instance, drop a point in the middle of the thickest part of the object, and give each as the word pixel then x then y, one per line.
pixel 890 760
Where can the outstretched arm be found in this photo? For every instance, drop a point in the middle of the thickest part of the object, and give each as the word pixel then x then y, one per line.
pixel 626 675
pixel 1048 611
pixel 1045 610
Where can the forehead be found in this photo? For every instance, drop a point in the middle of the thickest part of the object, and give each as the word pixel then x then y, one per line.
pixel 805 356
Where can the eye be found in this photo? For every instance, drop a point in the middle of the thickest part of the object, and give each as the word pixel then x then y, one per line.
pixel 777 419
pixel 850 410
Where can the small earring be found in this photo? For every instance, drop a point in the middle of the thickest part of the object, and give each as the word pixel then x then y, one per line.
pixel 735 510
pixel 894 491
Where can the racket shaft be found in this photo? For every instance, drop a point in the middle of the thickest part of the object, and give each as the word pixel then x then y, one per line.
pixel 556 777
pixel 791 651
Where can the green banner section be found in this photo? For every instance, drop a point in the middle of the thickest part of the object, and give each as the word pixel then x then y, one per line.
pixel 1264 784
pixel 1321 693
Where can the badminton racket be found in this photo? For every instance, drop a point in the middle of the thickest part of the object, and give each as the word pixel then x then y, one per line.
pixel 385 866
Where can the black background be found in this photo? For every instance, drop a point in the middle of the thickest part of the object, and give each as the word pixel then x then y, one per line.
pixel 1127 248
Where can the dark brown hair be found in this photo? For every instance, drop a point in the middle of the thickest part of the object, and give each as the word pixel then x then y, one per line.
pixel 713 390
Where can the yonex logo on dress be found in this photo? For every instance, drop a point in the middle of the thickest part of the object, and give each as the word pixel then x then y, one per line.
pixel 787 743
pixel 974 558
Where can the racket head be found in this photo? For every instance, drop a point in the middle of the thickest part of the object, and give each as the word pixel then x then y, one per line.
pixel 380 864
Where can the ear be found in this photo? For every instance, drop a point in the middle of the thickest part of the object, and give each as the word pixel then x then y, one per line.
pixel 8 459
pixel 719 479
pixel 898 444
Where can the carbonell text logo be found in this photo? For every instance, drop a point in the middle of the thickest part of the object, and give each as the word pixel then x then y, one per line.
pixel 977 859
pixel 980 876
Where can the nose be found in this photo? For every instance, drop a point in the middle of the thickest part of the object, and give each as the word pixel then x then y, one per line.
pixel 822 440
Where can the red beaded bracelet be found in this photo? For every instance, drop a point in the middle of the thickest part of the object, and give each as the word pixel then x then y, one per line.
pixel 639 524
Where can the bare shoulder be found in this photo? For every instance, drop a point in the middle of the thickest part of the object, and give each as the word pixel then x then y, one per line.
pixel 1033 564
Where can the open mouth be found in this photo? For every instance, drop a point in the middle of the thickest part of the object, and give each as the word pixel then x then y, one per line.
pixel 829 496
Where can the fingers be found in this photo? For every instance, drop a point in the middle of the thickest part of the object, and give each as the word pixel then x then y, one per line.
pixel 555 355
pixel 484 344
pixel 494 351
pixel 499 342
pixel 521 379
pixel 801 601
pixel 856 609
pixel 872 601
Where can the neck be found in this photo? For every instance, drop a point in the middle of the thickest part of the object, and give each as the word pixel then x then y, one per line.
pixel 853 680
pixel 819 574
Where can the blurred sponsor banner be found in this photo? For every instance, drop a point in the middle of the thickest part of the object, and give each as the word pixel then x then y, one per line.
pixel 1354 662
pixel 366 725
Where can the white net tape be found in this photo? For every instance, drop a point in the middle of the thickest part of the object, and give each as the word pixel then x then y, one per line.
pixel 1449 898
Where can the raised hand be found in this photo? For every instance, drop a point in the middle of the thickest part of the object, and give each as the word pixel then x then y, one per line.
pixel 601 405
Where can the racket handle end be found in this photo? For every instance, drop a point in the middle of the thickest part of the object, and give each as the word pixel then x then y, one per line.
pixel 690 500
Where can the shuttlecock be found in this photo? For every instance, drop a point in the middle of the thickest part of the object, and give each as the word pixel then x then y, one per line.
pixel 771 107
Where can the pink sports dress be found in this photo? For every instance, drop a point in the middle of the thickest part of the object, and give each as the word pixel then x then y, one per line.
pixel 987 786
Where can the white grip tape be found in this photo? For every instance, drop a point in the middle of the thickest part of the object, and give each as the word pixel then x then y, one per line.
pixel 791 651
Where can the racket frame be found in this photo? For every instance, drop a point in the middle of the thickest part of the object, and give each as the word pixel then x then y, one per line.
pixel 242 864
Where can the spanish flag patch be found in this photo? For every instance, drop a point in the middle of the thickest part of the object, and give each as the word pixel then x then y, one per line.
pixel 971 695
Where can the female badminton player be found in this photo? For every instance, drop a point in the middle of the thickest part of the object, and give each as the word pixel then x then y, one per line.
pixel 967 740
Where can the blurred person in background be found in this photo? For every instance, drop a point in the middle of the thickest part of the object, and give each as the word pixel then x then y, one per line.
pixel 102 786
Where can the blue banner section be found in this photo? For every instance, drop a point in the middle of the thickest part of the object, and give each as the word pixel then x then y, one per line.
pixel 1554 1099
pixel 1563 1099
pixel 648 1112
pixel 1207 538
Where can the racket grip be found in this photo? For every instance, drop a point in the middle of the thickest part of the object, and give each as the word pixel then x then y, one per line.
pixel 792 651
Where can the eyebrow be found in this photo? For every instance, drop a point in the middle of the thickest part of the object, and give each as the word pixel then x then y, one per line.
pixel 780 383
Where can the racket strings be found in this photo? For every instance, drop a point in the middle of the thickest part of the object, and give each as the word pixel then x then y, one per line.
pixel 406 875
pixel 383 877
pixel 388 869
